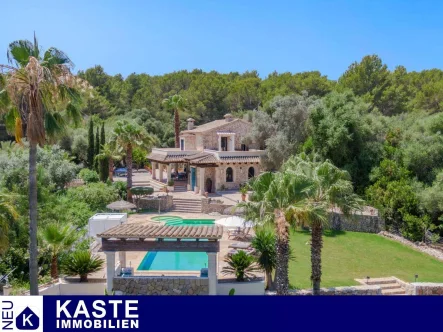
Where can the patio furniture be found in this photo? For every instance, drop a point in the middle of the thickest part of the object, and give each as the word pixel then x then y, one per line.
pixel 240 245
pixel 204 273
pixel 233 221
pixel 236 232
pixel 121 206
pixel 249 251
pixel 240 233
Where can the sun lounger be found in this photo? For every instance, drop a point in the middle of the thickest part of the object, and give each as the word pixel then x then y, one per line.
pixel 249 251
pixel 240 245
pixel 240 233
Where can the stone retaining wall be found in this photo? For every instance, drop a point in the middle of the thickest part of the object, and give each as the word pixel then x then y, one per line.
pixel 161 285
pixel 209 205
pixel 349 290
pixel 166 203
pixel 423 248
pixel 424 288
pixel 356 223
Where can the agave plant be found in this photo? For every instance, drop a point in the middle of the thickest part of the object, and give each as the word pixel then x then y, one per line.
pixel 82 263
pixel 240 264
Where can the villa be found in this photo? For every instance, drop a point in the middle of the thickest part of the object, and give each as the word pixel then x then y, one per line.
pixel 214 156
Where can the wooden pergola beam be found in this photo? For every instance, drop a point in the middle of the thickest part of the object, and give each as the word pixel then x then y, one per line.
pixel 146 245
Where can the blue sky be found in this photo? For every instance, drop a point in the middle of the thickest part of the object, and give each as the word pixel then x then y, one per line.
pixel 157 37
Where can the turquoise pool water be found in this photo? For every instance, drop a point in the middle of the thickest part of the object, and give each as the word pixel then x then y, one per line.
pixel 174 261
pixel 179 221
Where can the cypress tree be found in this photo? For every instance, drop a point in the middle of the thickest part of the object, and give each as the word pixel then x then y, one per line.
pixel 91 150
pixel 97 149
pixel 104 164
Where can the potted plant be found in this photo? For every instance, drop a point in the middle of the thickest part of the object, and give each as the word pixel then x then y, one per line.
pixel 171 185
pixel 243 191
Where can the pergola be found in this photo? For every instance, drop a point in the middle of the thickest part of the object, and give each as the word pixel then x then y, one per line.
pixel 143 237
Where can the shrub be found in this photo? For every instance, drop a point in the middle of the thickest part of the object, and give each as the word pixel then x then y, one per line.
pixel 96 195
pixel 120 186
pixel 82 263
pixel 264 243
pixel 89 176
pixel 170 183
pixel 240 264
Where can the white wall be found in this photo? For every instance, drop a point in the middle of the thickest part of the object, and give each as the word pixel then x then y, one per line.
pixel 75 289
pixel 242 288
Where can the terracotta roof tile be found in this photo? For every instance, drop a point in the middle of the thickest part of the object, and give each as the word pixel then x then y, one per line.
pixel 212 125
pixel 202 158
pixel 125 231
pixel 166 158
pixel 240 159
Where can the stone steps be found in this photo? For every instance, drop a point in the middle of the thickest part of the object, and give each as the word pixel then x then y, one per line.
pixel 158 186
pixel 187 205
pixel 389 285
pixel 395 291
pixel 380 281
pixel 180 187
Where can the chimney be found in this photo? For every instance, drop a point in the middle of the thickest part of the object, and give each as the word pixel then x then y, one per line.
pixel 228 117
pixel 190 123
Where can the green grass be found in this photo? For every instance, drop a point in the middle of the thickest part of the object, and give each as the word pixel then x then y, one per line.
pixel 350 255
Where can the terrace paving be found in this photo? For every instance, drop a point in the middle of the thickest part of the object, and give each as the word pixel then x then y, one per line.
pixel 134 259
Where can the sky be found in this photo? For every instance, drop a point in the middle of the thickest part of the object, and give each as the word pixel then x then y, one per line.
pixel 157 37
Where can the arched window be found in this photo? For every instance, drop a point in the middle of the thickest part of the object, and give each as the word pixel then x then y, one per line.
pixel 251 172
pixel 229 175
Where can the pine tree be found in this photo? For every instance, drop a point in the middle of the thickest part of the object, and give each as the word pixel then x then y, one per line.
pixel 104 164
pixel 91 150
pixel 97 150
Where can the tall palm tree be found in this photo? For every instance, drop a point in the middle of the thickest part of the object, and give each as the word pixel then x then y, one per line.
pixel 7 214
pixel 328 187
pixel 176 103
pixel 110 154
pixel 126 136
pixel 38 91
pixel 303 192
pixel 58 238
pixel 271 202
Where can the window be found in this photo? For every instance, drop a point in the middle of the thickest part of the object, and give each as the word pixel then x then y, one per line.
pixel 251 172
pixel 182 144
pixel 244 147
pixel 224 144
pixel 229 175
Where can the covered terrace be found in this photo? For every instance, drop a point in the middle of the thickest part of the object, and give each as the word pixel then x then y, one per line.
pixel 148 237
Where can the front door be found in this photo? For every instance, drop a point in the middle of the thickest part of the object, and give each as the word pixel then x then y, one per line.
pixel 192 178
pixel 209 185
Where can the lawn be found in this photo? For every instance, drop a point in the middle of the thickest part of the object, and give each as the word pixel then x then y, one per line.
pixel 350 255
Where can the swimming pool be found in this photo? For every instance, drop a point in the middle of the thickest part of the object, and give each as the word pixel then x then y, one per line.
pixel 179 221
pixel 174 261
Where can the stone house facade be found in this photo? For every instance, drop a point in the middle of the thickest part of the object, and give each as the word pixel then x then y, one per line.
pixel 213 155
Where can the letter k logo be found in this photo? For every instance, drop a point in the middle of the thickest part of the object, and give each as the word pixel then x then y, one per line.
pixel 27 320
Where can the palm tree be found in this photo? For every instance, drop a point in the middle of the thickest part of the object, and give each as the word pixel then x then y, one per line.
pixel 264 244
pixel 328 187
pixel 111 154
pixel 126 136
pixel 176 103
pixel 7 214
pixel 271 201
pixel 240 264
pixel 36 87
pixel 82 263
pixel 58 238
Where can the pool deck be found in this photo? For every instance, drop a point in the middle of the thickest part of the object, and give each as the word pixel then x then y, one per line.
pixel 133 259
